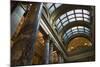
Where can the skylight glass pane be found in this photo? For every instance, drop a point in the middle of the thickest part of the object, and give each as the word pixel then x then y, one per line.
pixel 87 28
pixel 65 38
pixel 59 25
pixel 75 32
pixel 64 35
pixel 64 15
pixel 52 9
pixel 71 20
pixel 60 28
pixel 81 32
pixel 87 16
pixel 57 5
pixel 87 20
pixel 57 21
pixel 74 28
pixel 87 31
pixel 49 5
pixel 78 15
pixel 71 16
pixel 69 34
pixel 78 11
pixel 80 27
pixel 68 31
pixel 70 12
pixel 65 19
pixel 85 11
pixel 79 18
pixel 65 23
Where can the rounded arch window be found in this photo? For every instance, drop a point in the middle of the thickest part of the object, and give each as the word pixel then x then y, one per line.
pixel 71 16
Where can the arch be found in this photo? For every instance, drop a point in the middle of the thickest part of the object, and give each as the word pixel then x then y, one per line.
pixel 72 16
pixel 63 9
pixel 76 30
pixel 77 35
pixel 75 23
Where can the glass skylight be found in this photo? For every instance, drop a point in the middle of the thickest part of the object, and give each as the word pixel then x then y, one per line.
pixel 78 11
pixel 51 7
pixel 70 12
pixel 87 16
pixel 71 20
pixel 86 12
pixel 76 30
pixel 57 21
pixel 59 25
pixel 79 18
pixel 78 15
pixel 87 20
pixel 73 15
pixel 65 23
pixel 64 15
pixel 57 5
pixel 65 19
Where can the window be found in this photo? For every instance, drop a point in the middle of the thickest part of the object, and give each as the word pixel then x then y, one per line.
pixel 52 9
pixel 68 31
pixel 87 20
pixel 57 21
pixel 71 20
pixel 75 30
pixel 65 19
pixel 78 15
pixel 87 29
pixel 80 27
pixel 79 18
pixel 59 25
pixel 78 11
pixel 86 12
pixel 86 16
pixel 64 15
pixel 70 12
pixel 57 5
pixel 74 15
pixel 66 22
pixel 60 28
pixel 71 16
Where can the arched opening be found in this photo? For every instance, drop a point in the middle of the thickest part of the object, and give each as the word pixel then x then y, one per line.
pixel 78 45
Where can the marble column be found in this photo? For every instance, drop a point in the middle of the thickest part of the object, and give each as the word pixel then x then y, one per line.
pixel 27 36
pixel 47 52
pixel 51 50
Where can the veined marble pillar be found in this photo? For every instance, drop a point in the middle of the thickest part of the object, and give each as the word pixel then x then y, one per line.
pixel 51 50
pixel 27 37
pixel 47 52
